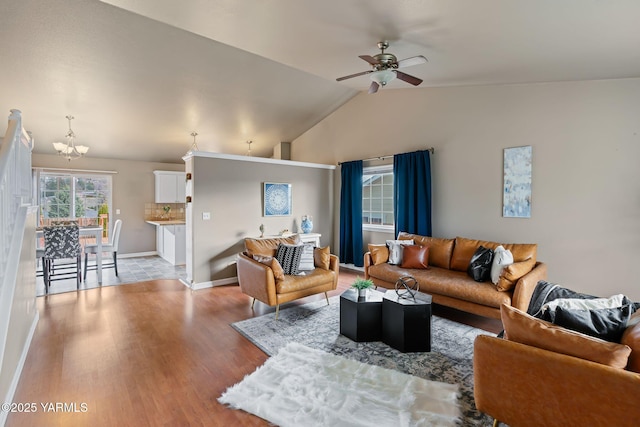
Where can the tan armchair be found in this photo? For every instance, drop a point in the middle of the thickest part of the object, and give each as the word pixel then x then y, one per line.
pixel 259 282
pixel 525 385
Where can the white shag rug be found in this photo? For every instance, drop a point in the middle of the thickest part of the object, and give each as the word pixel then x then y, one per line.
pixel 301 386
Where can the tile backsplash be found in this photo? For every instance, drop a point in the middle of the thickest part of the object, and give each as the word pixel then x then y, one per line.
pixel 154 211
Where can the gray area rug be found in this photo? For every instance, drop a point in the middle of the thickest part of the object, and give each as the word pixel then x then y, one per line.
pixel 317 325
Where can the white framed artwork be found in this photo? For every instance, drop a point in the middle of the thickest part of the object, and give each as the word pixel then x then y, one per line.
pixel 277 199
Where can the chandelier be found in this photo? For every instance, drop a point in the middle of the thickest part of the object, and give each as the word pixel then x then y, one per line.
pixel 194 146
pixel 70 150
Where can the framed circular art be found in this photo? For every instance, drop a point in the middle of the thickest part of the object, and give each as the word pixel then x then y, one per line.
pixel 277 199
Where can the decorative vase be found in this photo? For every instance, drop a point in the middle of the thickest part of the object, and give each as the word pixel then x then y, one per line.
pixel 307 224
pixel 362 293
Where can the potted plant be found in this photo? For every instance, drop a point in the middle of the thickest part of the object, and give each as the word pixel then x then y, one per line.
pixel 362 285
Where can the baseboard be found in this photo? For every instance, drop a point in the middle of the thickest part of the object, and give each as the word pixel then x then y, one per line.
pixel 138 254
pixel 352 267
pixel 16 376
pixel 210 284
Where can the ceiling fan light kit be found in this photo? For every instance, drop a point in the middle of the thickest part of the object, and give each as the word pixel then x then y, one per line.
pixel 383 77
pixel 385 68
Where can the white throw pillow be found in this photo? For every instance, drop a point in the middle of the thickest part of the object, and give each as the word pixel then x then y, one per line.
pixel 584 304
pixel 306 259
pixel 395 250
pixel 501 258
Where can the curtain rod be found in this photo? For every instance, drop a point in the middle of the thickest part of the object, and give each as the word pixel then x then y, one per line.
pixel 431 149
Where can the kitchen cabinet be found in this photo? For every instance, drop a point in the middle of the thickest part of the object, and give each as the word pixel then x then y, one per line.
pixel 171 241
pixel 170 187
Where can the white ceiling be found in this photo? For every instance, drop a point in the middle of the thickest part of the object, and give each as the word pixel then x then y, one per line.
pixel 140 77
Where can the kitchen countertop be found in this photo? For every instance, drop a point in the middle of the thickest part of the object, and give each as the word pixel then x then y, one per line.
pixel 161 222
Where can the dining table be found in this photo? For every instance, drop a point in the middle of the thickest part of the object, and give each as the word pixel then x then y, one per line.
pixel 88 231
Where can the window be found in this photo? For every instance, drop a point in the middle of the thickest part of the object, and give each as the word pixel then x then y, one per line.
pixel 377 198
pixel 84 197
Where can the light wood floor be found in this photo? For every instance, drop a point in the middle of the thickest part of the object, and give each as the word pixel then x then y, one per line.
pixel 148 354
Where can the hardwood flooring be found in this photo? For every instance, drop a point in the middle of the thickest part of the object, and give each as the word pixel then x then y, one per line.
pixel 148 354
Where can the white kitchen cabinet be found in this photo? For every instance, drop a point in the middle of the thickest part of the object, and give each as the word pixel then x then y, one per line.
pixel 171 241
pixel 174 244
pixel 160 241
pixel 170 187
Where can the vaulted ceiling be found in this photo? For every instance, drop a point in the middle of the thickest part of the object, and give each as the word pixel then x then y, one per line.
pixel 140 75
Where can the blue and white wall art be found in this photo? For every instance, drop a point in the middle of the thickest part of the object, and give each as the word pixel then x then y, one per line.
pixel 277 199
pixel 516 198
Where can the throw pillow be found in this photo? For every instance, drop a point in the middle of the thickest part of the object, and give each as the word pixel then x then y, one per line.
pixel 415 256
pixel 605 323
pixel 307 259
pixel 586 304
pixel 273 263
pixel 512 273
pixel 480 265
pixel 379 253
pixel 289 257
pixel 525 329
pixel 395 250
pixel 501 258
pixel 322 258
pixel 278 272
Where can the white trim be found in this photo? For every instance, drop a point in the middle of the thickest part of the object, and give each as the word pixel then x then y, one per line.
pixel 138 254
pixel 256 160
pixel 210 284
pixel 379 228
pixel 16 375
pixel 72 170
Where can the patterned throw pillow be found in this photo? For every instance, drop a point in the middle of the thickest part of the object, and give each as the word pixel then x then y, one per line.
pixel 306 259
pixel 289 257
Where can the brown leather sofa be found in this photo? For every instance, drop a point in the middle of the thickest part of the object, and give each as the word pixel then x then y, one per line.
pixel 447 281
pixel 259 281
pixel 524 385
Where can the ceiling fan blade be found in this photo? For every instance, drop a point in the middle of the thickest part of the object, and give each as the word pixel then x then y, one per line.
pixel 370 59
pixel 339 79
pixel 407 78
pixel 374 87
pixel 414 60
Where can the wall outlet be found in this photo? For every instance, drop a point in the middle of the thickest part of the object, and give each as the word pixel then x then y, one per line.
pixel 206 216
pixel 117 211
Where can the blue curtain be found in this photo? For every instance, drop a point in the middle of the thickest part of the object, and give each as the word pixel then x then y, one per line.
pixel 412 192
pixel 351 214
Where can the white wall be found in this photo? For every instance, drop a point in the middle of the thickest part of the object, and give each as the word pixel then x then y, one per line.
pixel 586 181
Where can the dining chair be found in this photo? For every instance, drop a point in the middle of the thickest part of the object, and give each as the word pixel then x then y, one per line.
pixel 61 242
pixel 112 247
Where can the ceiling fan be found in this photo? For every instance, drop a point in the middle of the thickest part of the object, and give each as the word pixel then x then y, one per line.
pixel 385 68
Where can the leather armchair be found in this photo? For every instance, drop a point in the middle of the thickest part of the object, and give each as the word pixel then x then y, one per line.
pixel 257 280
pixel 526 386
